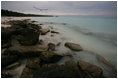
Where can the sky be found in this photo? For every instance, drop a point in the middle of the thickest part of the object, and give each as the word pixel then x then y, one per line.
pixel 81 8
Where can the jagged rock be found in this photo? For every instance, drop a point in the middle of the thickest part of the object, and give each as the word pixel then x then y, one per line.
pixel 73 46
pixel 51 46
pixel 93 70
pixel 26 51
pixel 6 60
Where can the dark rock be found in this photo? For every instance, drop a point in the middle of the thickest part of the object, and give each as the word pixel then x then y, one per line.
pixel 40 24
pixel 29 32
pixel 54 72
pixel 52 35
pixel 5 43
pixel 58 44
pixel 33 21
pixel 50 57
pixel 70 70
pixel 27 73
pixel 6 32
pixel 29 37
pixel 6 60
pixel 33 63
pixel 93 70
pixel 41 42
pixel 73 46
pixel 51 46
pixel 3 75
pixel 13 65
pixel 54 32
pixel 26 51
pixel 11 73
pixel 67 54
pixel 49 65
pixel 64 23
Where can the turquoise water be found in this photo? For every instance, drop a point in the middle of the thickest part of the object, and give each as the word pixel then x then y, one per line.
pixel 105 28
pixel 95 34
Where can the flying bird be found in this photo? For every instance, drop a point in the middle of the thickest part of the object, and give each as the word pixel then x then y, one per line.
pixel 40 9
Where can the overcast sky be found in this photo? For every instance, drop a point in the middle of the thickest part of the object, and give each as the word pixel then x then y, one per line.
pixel 83 8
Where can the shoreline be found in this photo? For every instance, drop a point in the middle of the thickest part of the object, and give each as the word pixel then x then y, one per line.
pixel 52 45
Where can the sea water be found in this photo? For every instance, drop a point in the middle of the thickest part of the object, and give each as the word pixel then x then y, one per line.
pixel 93 33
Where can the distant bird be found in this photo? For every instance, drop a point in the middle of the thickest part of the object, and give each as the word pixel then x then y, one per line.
pixel 40 9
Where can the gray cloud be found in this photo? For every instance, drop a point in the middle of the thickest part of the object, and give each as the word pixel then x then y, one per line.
pixel 87 8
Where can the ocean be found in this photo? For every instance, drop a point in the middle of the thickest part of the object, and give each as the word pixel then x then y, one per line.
pixel 95 34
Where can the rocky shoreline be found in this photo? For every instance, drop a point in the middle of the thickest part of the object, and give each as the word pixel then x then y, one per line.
pixel 22 41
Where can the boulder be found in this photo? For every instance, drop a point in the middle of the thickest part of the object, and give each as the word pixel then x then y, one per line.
pixel 73 46
pixel 51 46
pixel 29 37
pixel 29 33
pixel 103 60
pixel 33 63
pixel 26 51
pixel 93 70
pixel 44 31
pixel 6 60
pixel 50 57
pixel 55 71
pixel 70 70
